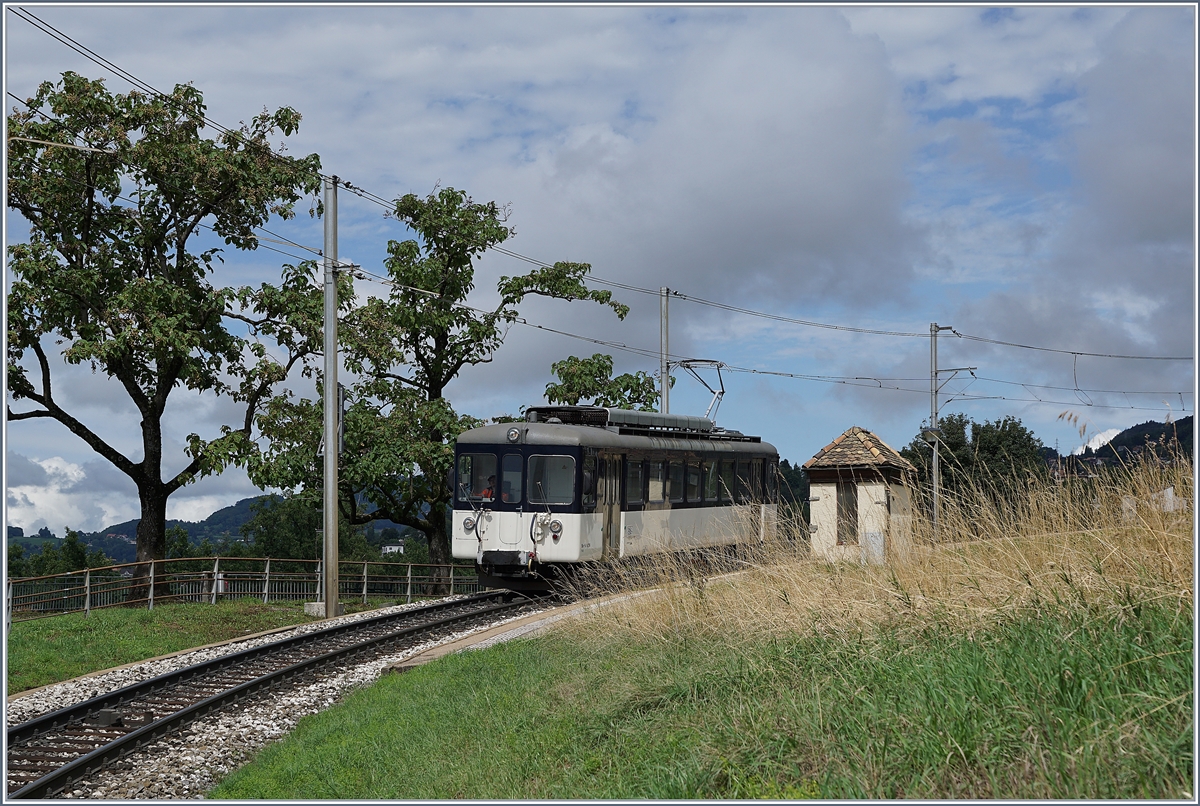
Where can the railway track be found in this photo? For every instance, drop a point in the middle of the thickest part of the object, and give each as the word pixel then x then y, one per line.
pixel 51 752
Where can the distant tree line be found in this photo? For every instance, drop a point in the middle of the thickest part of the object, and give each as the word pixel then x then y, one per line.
pixel 72 555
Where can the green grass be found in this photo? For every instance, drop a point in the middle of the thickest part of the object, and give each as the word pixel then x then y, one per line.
pixel 50 650
pixel 1050 702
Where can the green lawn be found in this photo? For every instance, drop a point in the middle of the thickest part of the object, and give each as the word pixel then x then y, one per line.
pixel 59 648
pixel 1051 703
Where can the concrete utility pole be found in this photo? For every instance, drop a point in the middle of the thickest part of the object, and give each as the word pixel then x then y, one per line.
pixel 933 435
pixel 664 366
pixel 933 410
pixel 330 553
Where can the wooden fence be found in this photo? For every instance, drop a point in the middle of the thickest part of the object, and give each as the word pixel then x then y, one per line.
pixel 211 579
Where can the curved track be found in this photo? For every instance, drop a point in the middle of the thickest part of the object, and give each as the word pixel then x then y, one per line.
pixel 47 754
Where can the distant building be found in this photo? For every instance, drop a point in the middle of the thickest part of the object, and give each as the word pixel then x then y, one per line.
pixel 394 548
pixel 860 499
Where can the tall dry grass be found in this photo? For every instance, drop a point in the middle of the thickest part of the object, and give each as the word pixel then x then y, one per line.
pixel 1105 542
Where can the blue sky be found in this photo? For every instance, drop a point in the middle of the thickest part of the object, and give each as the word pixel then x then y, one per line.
pixel 1025 175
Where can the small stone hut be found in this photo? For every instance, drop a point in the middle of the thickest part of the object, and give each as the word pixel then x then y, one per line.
pixel 860 494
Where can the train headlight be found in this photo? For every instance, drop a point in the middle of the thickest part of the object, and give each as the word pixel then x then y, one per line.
pixel 469 523
pixel 556 529
pixel 514 434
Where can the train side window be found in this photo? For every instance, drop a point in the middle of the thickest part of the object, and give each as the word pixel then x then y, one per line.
pixel 727 482
pixel 743 491
pixel 589 481
pixel 510 478
pixel 601 481
pixel 658 482
pixel 772 481
pixel 551 480
pixel 476 477
pixel 712 474
pixel 675 475
pixel 693 482
pixel 756 477
pixel 633 482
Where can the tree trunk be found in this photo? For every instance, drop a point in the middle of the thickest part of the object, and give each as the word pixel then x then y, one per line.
pixel 439 553
pixel 151 542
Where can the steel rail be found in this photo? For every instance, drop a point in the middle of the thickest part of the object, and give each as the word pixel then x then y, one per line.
pixel 24 732
pixel 89 763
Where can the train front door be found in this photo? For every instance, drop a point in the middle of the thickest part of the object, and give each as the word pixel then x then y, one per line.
pixel 612 505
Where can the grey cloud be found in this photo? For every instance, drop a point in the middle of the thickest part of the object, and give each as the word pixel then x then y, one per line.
pixel 23 471
pixel 1137 151
pixel 100 477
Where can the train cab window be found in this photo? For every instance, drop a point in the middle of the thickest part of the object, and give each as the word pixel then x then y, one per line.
pixel 658 482
pixel 711 472
pixel 727 482
pixel 633 482
pixel 772 481
pixel 551 480
pixel 510 478
pixel 477 477
pixel 589 481
pixel 675 478
pixel 693 482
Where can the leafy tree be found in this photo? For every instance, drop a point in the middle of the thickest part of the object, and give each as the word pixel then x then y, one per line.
pixel 18 566
pixel 284 528
pixel 591 379
pixel 72 555
pixel 992 455
pixel 120 282
pixel 179 545
pixel 404 349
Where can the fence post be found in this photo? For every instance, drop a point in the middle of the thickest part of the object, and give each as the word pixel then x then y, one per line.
pixel 216 570
pixel 408 595
pixel 8 606
pixel 150 603
pixel 87 592
pixel 451 580
pixel 267 581
pixel 364 583
pixel 320 581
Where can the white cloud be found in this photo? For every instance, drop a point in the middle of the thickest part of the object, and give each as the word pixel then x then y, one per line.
pixel 1097 441
pixel 57 502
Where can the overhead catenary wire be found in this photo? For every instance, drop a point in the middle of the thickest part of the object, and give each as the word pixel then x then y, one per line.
pixel 860 381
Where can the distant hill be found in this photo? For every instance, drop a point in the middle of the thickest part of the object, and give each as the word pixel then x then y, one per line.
pixel 119 540
pixel 1139 435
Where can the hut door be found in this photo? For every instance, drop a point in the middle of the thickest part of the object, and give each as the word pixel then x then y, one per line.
pixel 847 513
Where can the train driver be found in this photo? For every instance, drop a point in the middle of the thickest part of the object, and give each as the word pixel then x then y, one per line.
pixel 489 492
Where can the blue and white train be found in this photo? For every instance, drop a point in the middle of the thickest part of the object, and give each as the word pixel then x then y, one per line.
pixel 573 484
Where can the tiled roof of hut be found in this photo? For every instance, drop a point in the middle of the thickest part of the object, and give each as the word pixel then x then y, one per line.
pixel 858 447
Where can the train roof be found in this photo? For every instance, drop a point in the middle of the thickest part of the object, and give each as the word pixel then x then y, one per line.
pixel 598 427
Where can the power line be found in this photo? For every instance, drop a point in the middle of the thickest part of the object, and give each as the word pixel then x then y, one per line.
pixel 844 380
pixel 1073 352
pixel 848 328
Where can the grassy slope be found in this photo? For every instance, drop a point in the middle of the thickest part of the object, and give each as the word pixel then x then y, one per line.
pixel 1048 655
pixel 49 650
pixel 1051 703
